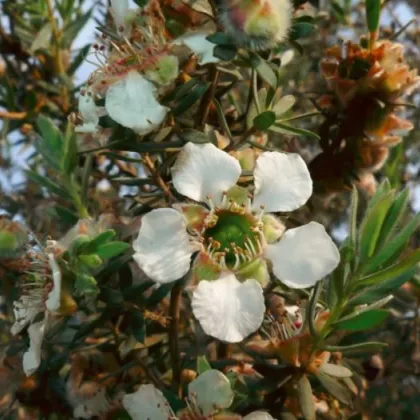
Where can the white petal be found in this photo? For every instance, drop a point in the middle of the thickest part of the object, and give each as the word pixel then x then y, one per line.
pixel 258 415
pixel 203 169
pixel 54 297
pixel 120 10
pixel 198 44
pixel 132 103
pixel 147 403
pixel 282 182
pixel 25 310
pixel 89 112
pixel 211 392
pixel 32 357
pixel 227 309
pixel 94 406
pixel 303 256
pixel 163 249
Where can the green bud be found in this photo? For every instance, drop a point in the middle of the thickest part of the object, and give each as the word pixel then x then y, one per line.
pixel 91 260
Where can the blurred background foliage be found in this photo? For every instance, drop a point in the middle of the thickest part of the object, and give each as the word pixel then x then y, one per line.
pixel 42 71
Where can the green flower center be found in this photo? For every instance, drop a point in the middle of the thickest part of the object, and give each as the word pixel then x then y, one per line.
pixel 231 234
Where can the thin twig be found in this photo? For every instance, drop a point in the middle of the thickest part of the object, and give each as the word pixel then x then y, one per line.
pixel 174 312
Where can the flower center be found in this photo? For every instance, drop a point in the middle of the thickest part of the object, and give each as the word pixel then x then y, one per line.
pixel 234 234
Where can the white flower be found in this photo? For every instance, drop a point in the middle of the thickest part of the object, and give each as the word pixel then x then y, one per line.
pixel 89 112
pixel 198 44
pixel 258 415
pixel 131 102
pixel 207 395
pixel 236 240
pixel 86 408
pixel 120 11
pixel 29 306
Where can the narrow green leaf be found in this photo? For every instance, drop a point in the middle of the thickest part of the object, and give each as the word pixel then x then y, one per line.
pixel 355 348
pixel 396 244
pixel 69 158
pixel 191 98
pixel 73 28
pixel 394 216
pixel 78 59
pixel 335 388
pixel 373 12
pixel 265 120
pixel 281 128
pixel 353 218
pixel 283 105
pixel 101 239
pixel 112 249
pixel 405 265
pixel 336 371
pixel 363 321
pixel 185 88
pixel 371 226
pixel 51 186
pixel 379 290
pixel 306 399
pixel 383 188
pixel 376 305
pixel 220 38
pixel 301 30
pixel 138 326
pixel 225 52
pixel 263 69
pixel 50 146
pixel 202 364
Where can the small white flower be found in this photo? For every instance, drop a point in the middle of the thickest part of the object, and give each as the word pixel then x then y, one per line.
pixel 207 395
pixel 198 44
pixel 37 301
pixel 96 405
pixel 120 11
pixel 132 102
pixel 89 112
pixel 258 415
pixel 235 239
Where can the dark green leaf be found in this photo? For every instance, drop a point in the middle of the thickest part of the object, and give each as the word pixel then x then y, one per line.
pixel 73 28
pixel 265 120
pixel 220 38
pixel 396 244
pixel 373 12
pixel 225 52
pixel 363 321
pixel 372 224
pixel 191 98
pixel 78 59
pixel 138 326
pixel 112 249
pixel 394 216
pixel 301 30
pixel 405 265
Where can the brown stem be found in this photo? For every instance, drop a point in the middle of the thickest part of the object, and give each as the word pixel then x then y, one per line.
pixel 207 100
pixel 159 181
pixel 174 312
